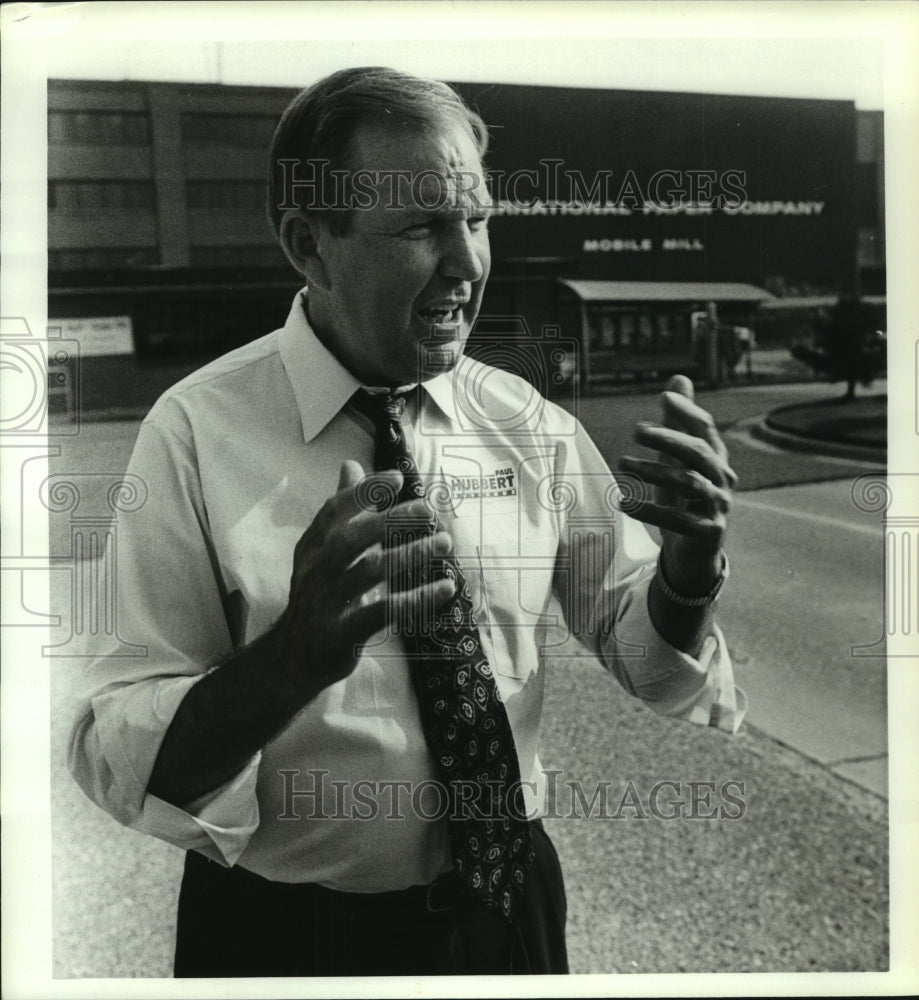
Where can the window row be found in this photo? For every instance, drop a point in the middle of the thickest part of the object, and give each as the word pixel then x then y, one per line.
pixel 269 255
pixel 629 331
pixel 99 128
pixel 100 259
pixel 132 128
pixel 83 196
pixel 228 129
pixel 240 195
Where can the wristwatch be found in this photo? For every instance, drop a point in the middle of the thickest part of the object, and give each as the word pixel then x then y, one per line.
pixel 694 602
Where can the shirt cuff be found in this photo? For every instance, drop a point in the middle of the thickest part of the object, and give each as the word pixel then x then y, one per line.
pixel 130 723
pixel 697 689
pixel 229 814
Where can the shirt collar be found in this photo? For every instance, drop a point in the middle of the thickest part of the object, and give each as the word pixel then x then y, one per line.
pixel 442 389
pixel 322 385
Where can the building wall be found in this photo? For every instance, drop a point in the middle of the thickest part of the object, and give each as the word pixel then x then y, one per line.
pixel 795 233
pixel 870 202
pixel 189 145
pixel 200 150
pixel 156 196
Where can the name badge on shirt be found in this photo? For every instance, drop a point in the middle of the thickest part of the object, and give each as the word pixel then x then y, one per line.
pixel 482 492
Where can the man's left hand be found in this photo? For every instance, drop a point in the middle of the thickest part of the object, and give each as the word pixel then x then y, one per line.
pixel 692 482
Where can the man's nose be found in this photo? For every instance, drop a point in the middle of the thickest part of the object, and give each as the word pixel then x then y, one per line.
pixel 462 254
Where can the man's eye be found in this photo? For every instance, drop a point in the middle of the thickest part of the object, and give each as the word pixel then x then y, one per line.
pixel 478 223
pixel 418 232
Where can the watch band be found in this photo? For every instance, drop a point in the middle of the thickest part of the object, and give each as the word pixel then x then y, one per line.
pixel 694 602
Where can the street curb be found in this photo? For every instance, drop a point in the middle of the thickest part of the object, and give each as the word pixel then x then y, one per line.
pixel 759 428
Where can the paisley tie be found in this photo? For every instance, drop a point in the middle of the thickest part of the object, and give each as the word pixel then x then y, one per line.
pixel 463 717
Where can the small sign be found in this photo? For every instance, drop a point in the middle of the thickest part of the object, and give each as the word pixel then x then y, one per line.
pixel 98 336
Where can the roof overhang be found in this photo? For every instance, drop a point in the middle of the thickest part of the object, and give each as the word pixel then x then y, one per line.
pixel 665 291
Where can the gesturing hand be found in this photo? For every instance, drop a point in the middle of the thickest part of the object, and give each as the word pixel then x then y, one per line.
pixel 692 483
pixel 336 602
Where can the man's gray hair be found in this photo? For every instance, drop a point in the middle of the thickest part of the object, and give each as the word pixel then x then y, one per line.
pixel 315 133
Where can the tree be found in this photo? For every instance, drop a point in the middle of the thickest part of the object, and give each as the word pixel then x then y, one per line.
pixel 847 346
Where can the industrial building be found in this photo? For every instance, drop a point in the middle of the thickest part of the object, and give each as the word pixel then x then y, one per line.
pixel 621 217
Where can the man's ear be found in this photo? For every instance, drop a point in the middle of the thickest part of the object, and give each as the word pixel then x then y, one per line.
pixel 302 238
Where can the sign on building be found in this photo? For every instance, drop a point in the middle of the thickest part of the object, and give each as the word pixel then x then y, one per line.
pixel 99 336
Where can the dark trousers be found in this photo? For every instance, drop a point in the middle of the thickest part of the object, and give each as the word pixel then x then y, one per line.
pixel 233 923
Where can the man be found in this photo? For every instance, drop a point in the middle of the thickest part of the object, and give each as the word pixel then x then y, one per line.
pixel 316 640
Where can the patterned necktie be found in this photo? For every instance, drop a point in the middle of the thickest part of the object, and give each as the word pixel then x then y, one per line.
pixel 464 720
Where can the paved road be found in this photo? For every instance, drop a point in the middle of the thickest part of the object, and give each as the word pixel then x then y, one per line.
pixel 807 587
pixel 799 884
pixel 807 582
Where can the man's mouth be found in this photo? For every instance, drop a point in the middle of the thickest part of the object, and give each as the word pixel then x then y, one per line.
pixel 441 315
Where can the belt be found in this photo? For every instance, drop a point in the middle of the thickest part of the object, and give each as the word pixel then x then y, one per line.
pixel 445 893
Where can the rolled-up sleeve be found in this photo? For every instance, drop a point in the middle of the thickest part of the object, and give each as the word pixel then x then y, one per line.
pixel 168 629
pixel 698 689
pixel 611 598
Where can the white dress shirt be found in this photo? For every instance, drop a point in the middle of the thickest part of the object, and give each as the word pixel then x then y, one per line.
pixel 237 460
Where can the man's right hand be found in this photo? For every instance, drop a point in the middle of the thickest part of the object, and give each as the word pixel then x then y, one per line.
pixel 339 597
pixel 341 592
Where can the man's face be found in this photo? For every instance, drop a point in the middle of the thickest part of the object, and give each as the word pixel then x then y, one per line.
pixel 405 283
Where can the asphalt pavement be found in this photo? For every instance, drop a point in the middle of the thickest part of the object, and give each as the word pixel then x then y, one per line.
pixel 806 618
pixel 770 861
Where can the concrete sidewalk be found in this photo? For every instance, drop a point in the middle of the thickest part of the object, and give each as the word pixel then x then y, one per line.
pixel 795 880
